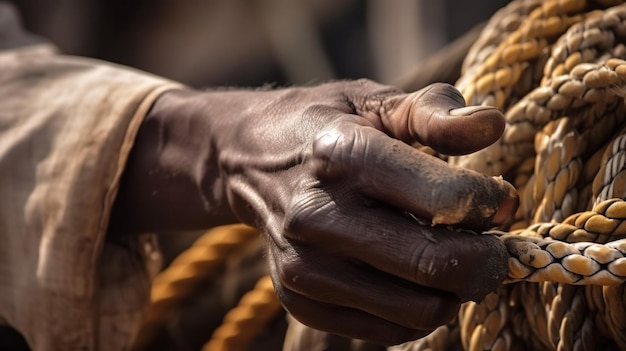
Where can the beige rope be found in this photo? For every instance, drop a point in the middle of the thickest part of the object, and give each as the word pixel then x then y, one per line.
pixel 181 280
pixel 247 320
pixel 490 81
pixel 537 260
pixel 564 149
pixel 588 86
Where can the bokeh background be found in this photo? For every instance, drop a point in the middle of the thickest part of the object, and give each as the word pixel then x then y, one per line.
pixel 206 43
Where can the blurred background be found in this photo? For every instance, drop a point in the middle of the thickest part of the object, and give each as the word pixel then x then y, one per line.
pixel 206 43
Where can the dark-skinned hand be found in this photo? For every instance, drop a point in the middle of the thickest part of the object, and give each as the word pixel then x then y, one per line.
pixel 358 222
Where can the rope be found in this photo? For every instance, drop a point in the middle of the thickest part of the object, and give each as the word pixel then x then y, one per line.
pixel 557 69
pixel 187 273
pixel 502 68
pixel 247 320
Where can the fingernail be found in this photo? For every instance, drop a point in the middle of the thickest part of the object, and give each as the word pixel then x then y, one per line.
pixel 468 110
pixel 507 207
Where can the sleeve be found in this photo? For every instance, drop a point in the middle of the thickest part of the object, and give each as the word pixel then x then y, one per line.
pixel 67 125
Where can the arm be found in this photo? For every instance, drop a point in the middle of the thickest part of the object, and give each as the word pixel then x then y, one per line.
pixel 327 174
pixel 172 180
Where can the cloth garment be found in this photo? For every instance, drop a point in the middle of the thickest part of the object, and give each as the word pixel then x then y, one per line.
pixel 67 125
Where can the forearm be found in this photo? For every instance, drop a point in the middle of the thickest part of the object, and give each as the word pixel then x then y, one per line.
pixel 172 180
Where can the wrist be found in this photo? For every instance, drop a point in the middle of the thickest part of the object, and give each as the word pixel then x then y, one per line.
pixel 172 180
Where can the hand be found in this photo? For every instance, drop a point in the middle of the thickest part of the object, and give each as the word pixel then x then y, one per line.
pixel 328 174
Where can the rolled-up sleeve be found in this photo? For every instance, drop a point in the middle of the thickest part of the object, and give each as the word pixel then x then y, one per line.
pixel 67 126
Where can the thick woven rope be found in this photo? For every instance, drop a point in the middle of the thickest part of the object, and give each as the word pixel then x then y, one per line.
pixel 557 70
pixel 187 276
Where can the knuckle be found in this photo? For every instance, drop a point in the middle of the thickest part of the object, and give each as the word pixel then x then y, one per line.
pixel 339 150
pixel 326 146
pixel 303 213
pixel 288 298
pixel 288 273
pixel 312 217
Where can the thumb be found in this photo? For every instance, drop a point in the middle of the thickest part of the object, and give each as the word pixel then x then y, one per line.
pixel 437 116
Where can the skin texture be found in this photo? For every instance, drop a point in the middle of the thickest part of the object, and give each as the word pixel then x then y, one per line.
pixel 327 174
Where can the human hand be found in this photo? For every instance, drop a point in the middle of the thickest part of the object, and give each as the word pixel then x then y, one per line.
pixel 327 173
pixel 317 170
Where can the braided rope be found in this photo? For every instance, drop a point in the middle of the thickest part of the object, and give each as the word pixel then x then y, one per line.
pixel 587 86
pixel 609 182
pixel 501 24
pixel 490 82
pixel 196 265
pixel 244 322
pixel 538 260
pixel 567 267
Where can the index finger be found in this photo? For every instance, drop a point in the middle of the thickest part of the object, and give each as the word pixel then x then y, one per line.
pixel 336 219
pixel 396 174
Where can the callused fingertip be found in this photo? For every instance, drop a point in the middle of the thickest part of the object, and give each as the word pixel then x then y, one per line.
pixel 507 206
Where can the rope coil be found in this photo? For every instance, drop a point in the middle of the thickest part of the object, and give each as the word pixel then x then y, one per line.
pixel 563 148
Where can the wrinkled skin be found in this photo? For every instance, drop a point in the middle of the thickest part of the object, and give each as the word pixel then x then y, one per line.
pixel 327 173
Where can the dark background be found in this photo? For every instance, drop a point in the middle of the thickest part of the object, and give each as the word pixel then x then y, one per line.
pixel 207 43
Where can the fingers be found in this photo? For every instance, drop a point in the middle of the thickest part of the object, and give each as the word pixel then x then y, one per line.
pixel 398 175
pixel 318 308
pixel 465 264
pixel 436 116
pixel 347 322
pixel 305 272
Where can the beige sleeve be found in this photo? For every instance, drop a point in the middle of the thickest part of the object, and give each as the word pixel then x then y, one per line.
pixel 67 125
